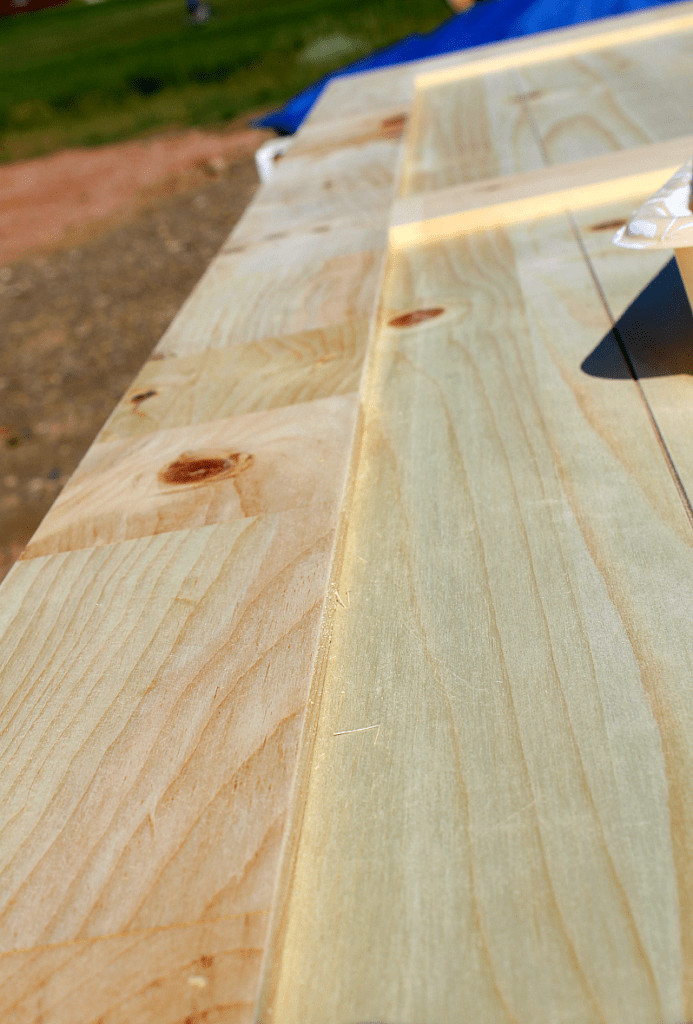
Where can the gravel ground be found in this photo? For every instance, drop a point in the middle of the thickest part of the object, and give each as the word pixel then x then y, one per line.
pixel 77 323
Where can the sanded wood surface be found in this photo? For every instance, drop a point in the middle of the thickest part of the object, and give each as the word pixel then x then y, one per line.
pixel 500 771
pixel 485 111
pixel 562 45
pixel 204 972
pixel 167 480
pixel 146 755
pixel 334 695
pixel 497 201
pixel 157 641
pixel 494 812
pixel 218 383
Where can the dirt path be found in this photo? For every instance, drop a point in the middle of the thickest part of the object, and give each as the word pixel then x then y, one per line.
pixel 42 201
pixel 125 232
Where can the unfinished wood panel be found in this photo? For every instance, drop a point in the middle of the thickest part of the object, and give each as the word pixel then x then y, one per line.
pixel 205 972
pixel 560 44
pixel 496 202
pixel 154 689
pixel 622 280
pixel 576 123
pixel 467 132
pixel 265 374
pixel 496 805
pixel 354 96
pixel 323 137
pixel 279 287
pixel 340 189
pixel 650 62
pixel 215 472
pixel 151 699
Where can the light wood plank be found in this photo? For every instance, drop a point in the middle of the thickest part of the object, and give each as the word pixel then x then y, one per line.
pixel 467 132
pixel 341 189
pixel 154 689
pixel 607 33
pixel 319 138
pixel 496 807
pixel 508 200
pixel 151 700
pixel 574 124
pixel 205 972
pixel 653 62
pixel 215 472
pixel 356 95
pixel 278 287
pixel 266 374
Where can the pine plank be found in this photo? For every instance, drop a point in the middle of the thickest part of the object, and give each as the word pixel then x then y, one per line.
pixel 152 690
pixel 561 44
pixel 151 700
pixel 265 374
pixel 203 972
pixel 665 59
pixel 319 138
pixel 496 807
pixel 468 132
pixel 216 472
pixel 345 188
pixel 497 201
pixel 150 738
pixel 277 287
pixel 587 122
pixel 355 96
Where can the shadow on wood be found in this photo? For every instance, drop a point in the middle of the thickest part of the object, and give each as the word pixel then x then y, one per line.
pixel 656 331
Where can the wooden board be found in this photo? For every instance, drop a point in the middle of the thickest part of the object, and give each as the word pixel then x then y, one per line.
pixel 499 774
pixel 334 691
pixel 146 757
pixel 156 662
pixel 497 201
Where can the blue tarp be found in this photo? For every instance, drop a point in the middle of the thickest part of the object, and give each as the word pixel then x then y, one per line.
pixel 487 22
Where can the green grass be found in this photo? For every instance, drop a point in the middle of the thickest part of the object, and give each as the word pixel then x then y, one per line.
pixel 87 74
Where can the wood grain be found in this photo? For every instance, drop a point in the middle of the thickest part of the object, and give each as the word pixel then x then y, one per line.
pixel 576 124
pixel 323 137
pixel 468 132
pixel 496 800
pixel 650 64
pixel 151 700
pixel 493 812
pixel 153 689
pixel 560 45
pixel 349 187
pixel 204 972
pixel 280 287
pixel 354 96
pixel 264 374
pixel 194 476
pixel 497 201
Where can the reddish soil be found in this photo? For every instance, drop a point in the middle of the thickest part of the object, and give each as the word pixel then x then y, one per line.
pixel 98 250
pixel 41 200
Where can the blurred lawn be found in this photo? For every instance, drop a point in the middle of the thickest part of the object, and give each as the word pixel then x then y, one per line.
pixel 85 74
